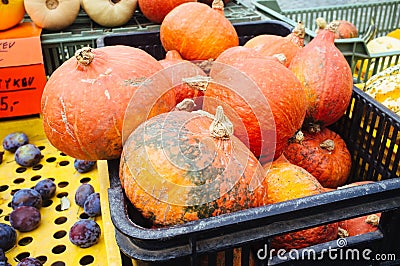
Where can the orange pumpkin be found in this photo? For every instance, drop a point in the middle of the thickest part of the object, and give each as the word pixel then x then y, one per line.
pixel 269 45
pixel 359 225
pixel 183 166
pixel 84 100
pixel 184 90
pixel 324 154
pixel 345 30
pixel 156 10
pixel 287 181
pixel 326 77
pixel 11 13
pixel 197 31
pixel 264 100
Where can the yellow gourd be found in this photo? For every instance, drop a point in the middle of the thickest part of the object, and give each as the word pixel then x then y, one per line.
pixel 385 88
pixel 381 44
pixel 11 13
pixel 394 34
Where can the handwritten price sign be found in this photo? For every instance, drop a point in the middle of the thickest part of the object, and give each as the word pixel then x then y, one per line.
pixel 21 90
pixel 22 74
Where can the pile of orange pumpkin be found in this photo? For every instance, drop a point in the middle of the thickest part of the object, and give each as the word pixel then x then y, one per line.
pixel 250 130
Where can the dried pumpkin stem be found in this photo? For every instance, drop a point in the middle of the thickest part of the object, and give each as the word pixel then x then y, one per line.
pixel 300 30
pixel 328 145
pixel 372 219
pixel 84 55
pixel 297 138
pixel 52 4
pixel 185 105
pixel 321 23
pixel 342 233
pixel 218 4
pixel 333 26
pixel 221 127
pixel 281 58
pixel 197 82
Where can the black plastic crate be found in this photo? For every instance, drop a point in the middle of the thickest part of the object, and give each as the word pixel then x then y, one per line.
pixel 151 43
pixel 371 132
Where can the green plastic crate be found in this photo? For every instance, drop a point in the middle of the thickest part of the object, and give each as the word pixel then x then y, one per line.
pixel 61 45
pixel 385 16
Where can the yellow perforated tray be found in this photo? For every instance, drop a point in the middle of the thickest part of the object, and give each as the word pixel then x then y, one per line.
pixel 50 242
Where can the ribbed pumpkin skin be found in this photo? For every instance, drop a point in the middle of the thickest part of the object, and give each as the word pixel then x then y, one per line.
pixel 287 181
pixel 197 31
pixel 326 77
pixel 156 10
pixel 11 13
pixel 282 91
pixel 183 91
pixel 269 45
pixel 358 225
pixel 346 30
pixel 177 147
pixel 330 167
pixel 83 107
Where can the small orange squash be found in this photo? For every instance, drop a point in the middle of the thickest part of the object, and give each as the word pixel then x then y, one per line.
pixel 287 181
pixel 198 31
pixel 358 225
pixel 11 13
pixel 183 166
pixel 156 10
pixel 269 45
pixel 267 103
pixel 326 77
pixel 84 101
pixel 345 30
pixel 324 154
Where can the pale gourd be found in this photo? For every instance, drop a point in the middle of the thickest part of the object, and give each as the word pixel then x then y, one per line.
pixel 52 14
pixel 381 44
pixel 109 13
pixel 385 88
pixel 11 13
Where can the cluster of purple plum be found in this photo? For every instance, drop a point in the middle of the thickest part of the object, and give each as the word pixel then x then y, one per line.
pixel 86 232
pixel 25 154
pixel 25 216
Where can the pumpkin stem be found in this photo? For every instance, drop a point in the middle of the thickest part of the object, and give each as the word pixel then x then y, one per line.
pixel 328 145
pixel 298 137
pixel 185 105
pixel 342 233
pixel 221 127
pixel 333 26
pixel 321 24
pixel 197 82
pixel 313 127
pixel 84 55
pixel 51 4
pixel 173 55
pixel 372 219
pixel 281 58
pixel 298 34
pixel 218 5
pixel 4 2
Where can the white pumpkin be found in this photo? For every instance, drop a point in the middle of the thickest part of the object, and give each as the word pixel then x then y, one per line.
pixel 109 13
pixel 52 14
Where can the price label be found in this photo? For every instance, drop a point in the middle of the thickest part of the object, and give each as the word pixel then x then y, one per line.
pixel 22 74
pixel 21 89
pixel 21 46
